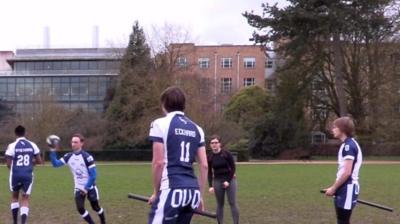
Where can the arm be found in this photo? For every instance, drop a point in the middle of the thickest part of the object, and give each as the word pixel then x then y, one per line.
pixel 38 159
pixel 9 155
pixel 203 167
pixel 157 165
pixel 210 172
pixel 232 166
pixel 92 178
pixel 54 161
pixel 9 161
pixel 348 167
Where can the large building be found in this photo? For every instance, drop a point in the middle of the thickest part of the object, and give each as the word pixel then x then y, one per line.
pixel 74 78
pixel 226 68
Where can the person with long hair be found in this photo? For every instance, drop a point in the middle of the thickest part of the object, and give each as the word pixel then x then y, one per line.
pixel 222 178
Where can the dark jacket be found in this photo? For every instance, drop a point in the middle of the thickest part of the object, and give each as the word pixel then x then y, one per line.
pixel 221 166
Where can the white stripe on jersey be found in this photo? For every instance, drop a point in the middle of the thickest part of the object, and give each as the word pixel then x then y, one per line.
pixel 349 197
pixel 159 214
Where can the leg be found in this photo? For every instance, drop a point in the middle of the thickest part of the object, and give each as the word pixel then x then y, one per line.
pixel 190 202
pixel 343 215
pixel 93 196
pixel 231 193
pixel 219 192
pixel 27 188
pixel 15 206
pixel 80 206
pixel 162 211
pixel 24 208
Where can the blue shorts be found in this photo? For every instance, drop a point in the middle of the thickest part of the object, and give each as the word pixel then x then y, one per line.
pixel 346 196
pixel 174 206
pixel 23 183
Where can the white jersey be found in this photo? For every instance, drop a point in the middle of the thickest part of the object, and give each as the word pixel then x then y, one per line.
pixel 79 164
pixel 350 150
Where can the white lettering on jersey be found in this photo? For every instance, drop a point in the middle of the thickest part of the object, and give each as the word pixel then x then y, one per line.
pixel 179 131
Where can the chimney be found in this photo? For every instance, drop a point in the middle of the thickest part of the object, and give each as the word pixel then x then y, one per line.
pixel 95 37
pixel 46 37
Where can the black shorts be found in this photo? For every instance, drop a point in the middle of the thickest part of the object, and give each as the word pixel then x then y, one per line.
pixel 92 194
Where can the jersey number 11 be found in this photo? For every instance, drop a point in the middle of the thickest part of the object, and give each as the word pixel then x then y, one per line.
pixel 185 151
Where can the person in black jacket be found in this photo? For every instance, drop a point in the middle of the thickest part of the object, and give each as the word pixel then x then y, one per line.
pixel 222 178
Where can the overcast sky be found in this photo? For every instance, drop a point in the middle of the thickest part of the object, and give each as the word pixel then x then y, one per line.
pixel 71 22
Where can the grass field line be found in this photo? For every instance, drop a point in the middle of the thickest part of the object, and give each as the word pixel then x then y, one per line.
pixel 261 162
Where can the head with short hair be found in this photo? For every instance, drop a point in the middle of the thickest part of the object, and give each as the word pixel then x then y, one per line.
pixel 19 131
pixel 77 141
pixel 173 99
pixel 343 126
pixel 215 143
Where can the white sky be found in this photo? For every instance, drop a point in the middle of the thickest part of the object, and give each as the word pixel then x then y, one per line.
pixel 71 22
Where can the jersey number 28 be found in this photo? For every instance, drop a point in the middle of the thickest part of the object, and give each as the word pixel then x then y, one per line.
pixel 23 160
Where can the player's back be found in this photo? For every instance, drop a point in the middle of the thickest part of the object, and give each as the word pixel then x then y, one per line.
pixel 22 153
pixel 182 138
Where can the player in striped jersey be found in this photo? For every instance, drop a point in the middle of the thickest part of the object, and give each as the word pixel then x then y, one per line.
pixel 83 168
pixel 21 156
pixel 177 142
pixel 346 187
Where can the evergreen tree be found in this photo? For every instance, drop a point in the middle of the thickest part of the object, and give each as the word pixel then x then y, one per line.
pixel 134 104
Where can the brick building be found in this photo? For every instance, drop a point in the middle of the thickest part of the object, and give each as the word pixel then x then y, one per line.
pixel 224 69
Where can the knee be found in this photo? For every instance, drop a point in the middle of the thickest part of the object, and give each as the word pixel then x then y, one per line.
pixel 95 206
pixel 81 209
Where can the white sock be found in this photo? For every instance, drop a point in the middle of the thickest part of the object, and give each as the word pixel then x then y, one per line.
pixel 24 211
pixel 14 205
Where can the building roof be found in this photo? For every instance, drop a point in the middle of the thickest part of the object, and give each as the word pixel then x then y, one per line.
pixel 67 54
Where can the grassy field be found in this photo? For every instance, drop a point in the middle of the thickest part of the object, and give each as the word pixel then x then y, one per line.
pixel 267 194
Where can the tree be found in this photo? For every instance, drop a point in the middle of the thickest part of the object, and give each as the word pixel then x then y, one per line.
pixel 283 126
pixel 133 105
pixel 247 106
pixel 345 45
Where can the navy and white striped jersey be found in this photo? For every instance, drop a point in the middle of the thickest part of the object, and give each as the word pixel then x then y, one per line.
pixel 350 150
pixel 22 152
pixel 181 138
pixel 79 164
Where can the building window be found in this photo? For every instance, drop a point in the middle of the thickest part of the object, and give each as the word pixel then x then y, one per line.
pixel 226 85
pixel 204 86
pixel 204 62
pixel 181 62
pixel 226 62
pixel 249 62
pixel 269 63
pixel 248 82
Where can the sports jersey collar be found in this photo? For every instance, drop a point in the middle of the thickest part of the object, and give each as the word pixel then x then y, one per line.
pixel 347 139
pixel 77 152
pixel 173 113
pixel 20 138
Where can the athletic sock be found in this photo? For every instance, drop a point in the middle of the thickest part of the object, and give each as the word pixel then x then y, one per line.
pixel 102 216
pixel 86 216
pixel 14 210
pixel 24 214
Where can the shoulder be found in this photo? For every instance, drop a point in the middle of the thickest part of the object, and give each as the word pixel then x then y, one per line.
pixel 350 145
pixel 226 153
pixel 67 156
pixel 87 156
pixel 159 121
pixel 34 145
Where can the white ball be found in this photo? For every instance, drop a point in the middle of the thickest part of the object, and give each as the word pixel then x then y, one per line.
pixel 52 140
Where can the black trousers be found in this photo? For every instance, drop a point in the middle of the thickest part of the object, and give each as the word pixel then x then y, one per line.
pixel 343 215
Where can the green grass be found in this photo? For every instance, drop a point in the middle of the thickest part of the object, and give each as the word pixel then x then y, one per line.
pixel 267 194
